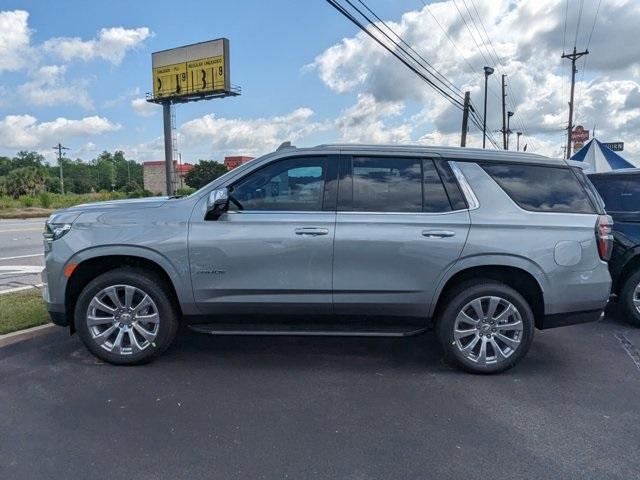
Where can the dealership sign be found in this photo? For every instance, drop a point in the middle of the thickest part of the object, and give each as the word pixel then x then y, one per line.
pixel 579 134
pixel 615 146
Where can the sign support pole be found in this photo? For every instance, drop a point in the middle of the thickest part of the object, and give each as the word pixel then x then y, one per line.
pixel 168 147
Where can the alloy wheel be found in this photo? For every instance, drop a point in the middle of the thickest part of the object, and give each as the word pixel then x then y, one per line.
pixel 123 319
pixel 488 330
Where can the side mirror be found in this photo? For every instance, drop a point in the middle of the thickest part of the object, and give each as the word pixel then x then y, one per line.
pixel 217 203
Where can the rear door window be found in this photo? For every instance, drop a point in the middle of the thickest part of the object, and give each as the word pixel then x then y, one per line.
pixel 541 188
pixel 386 184
pixel 393 184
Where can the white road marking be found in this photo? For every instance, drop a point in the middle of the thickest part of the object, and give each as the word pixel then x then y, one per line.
pixel 41 229
pixel 20 270
pixel 20 289
pixel 22 256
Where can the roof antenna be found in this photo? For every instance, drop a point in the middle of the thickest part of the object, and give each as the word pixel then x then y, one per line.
pixel 285 145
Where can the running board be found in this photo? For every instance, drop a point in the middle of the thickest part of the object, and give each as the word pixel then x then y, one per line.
pixel 307 330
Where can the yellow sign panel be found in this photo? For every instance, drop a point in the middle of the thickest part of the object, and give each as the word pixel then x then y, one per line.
pixel 170 80
pixel 206 75
pixel 198 69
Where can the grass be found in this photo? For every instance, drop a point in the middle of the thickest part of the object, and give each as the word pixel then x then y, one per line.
pixel 22 310
pixel 33 212
pixel 44 203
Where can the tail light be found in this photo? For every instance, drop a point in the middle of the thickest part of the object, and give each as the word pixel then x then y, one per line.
pixel 604 237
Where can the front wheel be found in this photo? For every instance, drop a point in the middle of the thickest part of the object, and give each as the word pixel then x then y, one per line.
pixel 126 316
pixel 485 327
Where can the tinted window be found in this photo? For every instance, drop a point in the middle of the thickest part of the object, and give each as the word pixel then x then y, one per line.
pixel 631 196
pixel 295 184
pixel 387 184
pixel 451 185
pixel 541 188
pixel 435 197
pixel 610 189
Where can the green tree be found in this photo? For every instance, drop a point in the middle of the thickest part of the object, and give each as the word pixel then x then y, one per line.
pixel 28 159
pixel 25 181
pixel 104 171
pixel 6 165
pixel 203 172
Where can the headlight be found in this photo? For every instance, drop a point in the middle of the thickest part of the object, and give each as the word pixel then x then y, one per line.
pixel 53 231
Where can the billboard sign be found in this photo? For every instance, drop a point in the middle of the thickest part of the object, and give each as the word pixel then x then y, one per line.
pixel 615 146
pixel 192 70
pixel 579 134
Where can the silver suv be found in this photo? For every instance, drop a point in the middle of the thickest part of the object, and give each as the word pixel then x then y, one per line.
pixel 341 240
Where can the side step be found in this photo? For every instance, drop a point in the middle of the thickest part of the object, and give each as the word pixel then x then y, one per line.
pixel 317 330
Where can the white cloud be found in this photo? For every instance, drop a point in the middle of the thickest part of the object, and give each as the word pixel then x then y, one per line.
pixel 111 45
pixel 143 108
pixel 48 87
pixel 528 36
pixel 25 132
pixel 14 40
pixel 250 136
pixel 364 122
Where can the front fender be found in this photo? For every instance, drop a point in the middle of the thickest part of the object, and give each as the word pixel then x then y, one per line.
pixel 178 274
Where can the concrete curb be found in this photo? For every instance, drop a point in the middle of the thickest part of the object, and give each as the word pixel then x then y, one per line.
pixel 20 335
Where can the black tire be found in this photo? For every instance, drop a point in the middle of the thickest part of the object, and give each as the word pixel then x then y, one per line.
pixel 627 296
pixel 158 292
pixel 461 296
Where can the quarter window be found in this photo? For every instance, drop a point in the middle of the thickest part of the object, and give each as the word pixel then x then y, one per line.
pixel 294 184
pixel 542 188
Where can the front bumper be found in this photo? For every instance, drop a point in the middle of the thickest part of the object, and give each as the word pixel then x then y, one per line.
pixel 56 310
pixel 570 318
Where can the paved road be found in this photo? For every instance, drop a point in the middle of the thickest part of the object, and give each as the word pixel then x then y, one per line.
pixel 20 252
pixel 276 408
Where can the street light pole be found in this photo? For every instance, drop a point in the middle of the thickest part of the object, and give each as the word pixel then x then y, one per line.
pixel 487 71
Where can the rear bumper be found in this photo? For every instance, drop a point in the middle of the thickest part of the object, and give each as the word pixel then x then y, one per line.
pixel 570 318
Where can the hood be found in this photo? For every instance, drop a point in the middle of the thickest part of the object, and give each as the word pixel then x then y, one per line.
pixel 131 203
pixel 69 215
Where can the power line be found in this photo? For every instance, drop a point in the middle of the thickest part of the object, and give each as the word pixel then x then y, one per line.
pixel 444 80
pixel 575 40
pixel 456 101
pixel 497 59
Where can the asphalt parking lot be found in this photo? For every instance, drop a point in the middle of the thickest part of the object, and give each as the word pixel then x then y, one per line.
pixel 344 408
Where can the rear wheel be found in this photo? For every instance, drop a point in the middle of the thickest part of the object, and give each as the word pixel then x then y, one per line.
pixel 630 298
pixel 485 327
pixel 126 316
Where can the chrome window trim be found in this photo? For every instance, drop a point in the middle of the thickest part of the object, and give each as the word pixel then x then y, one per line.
pixel 467 191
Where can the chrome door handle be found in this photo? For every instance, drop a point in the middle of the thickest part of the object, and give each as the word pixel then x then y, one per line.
pixel 311 231
pixel 438 233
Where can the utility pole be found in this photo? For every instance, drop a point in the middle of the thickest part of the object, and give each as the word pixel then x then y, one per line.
pixel 518 141
pixel 509 132
pixel 60 148
pixel 504 113
pixel 573 57
pixel 465 118
pixel 168 147
pixel 487 71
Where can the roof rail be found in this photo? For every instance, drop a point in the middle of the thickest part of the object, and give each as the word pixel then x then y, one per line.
pixel 284 146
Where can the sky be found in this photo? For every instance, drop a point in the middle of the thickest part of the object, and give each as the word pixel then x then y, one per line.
pixel 77 73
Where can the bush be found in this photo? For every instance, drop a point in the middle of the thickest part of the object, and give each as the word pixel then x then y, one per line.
pixel 44 199
pixel 184 191
pixel 26 201
pixel 24 181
